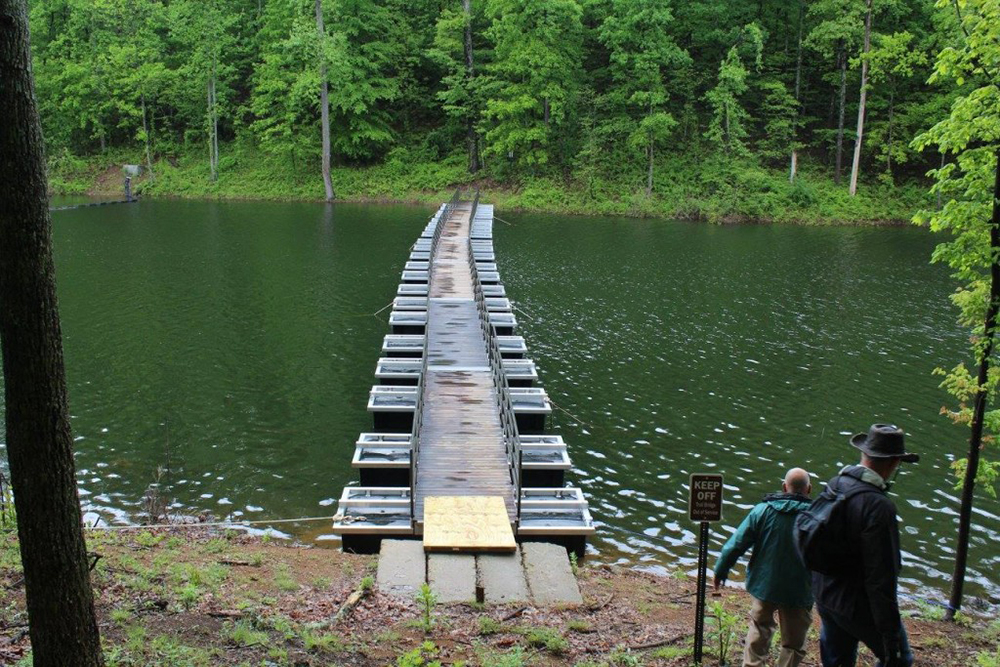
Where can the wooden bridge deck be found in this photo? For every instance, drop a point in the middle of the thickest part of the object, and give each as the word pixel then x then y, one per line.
pixel 461 440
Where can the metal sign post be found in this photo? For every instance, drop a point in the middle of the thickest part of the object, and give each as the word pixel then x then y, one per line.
pixel 704 506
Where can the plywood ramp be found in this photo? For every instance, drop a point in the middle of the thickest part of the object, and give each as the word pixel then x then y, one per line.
pixel 467 524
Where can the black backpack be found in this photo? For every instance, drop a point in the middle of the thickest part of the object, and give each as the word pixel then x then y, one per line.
pixel 820 534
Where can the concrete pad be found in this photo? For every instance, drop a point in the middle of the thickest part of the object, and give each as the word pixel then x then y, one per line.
pixel 402 569
pixel 550 577
pixel 452 577
pixel 502 578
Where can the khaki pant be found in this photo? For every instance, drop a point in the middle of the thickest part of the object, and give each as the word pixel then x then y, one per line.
pixel 794 623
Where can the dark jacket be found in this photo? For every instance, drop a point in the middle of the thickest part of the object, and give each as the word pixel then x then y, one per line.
pixel 775 573
pixel 865 591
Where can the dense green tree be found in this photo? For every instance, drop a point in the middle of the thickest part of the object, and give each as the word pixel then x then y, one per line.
pixel 727 128
pixel 970 215
pixel 534 78
pixel 643 55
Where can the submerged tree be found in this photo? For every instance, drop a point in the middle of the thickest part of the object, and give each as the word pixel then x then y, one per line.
pixel 970 186
pixel 62 622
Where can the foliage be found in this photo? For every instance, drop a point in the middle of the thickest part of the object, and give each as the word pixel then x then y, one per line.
pixel 422 656
pixel 546 638
pixel 426 598
pixel 602 94
pixel 727 127
pixel 722 627
pixel 971 133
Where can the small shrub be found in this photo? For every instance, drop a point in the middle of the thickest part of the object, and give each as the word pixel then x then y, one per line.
pixel 367 584
pixel 723 629
pixel 578 625
pixel 426 598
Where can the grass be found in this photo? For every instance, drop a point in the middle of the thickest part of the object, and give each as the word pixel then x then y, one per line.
pixel 546 638
pixel 321 642
pixel 489 626
pixel 690 186
pixel 283 579
pixel 243 633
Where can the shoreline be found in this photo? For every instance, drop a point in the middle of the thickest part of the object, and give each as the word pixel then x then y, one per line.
pixel 747 194
pixel 199 596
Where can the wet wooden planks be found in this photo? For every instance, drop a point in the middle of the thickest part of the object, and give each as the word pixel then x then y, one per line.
pixel 461 441
pixel 454 334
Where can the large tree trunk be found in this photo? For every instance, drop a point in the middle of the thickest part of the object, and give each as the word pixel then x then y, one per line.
pixel 979 408
pixel 324 102
pixel 856 164
pixel 470 122
pixel 62 623
pixel 842 62
pixel 798 89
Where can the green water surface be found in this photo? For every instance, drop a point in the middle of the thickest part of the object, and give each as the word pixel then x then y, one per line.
pixel 232 346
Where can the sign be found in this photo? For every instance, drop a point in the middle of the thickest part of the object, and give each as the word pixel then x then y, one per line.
pixel 705 503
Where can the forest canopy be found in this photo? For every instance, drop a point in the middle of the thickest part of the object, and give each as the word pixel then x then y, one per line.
pixel 514 89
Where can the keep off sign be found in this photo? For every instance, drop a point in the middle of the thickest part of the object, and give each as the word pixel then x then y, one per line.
pixel 706 498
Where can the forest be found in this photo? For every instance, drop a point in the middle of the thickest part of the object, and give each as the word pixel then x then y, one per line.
pixel 794 103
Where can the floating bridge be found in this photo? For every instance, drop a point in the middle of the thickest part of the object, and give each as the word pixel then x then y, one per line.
pixel 458 455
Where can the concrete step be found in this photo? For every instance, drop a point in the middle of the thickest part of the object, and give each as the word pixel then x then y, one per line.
pixel 550 577
pixel 537 572
pixel 502 578
pixel 452 577
pixel 402 569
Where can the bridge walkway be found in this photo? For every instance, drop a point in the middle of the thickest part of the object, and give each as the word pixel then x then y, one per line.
pixel 462 451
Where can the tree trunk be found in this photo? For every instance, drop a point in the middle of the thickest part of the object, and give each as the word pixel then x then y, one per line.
pixel 145 133
pixel 470 121
pixel 211 143
pixel 863 97
pixel 324 102
pixel 979 408
pixel 842 62
pixel 649 171
pixel 62 623
pixel 793 168
pixel 888 165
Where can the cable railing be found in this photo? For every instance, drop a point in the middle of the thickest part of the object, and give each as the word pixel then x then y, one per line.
pixel 419 408
pixel 505 408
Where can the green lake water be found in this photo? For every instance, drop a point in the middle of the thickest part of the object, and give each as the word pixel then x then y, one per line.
pixel 232 345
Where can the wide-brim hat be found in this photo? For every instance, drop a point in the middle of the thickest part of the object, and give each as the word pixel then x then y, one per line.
pixel 884 441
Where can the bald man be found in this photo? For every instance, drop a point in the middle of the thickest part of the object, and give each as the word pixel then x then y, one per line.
pixel 776 578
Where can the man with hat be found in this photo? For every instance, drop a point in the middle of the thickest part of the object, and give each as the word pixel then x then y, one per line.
pixel 858 603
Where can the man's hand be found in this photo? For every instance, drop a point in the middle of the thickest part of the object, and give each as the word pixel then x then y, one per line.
pixel 717 582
